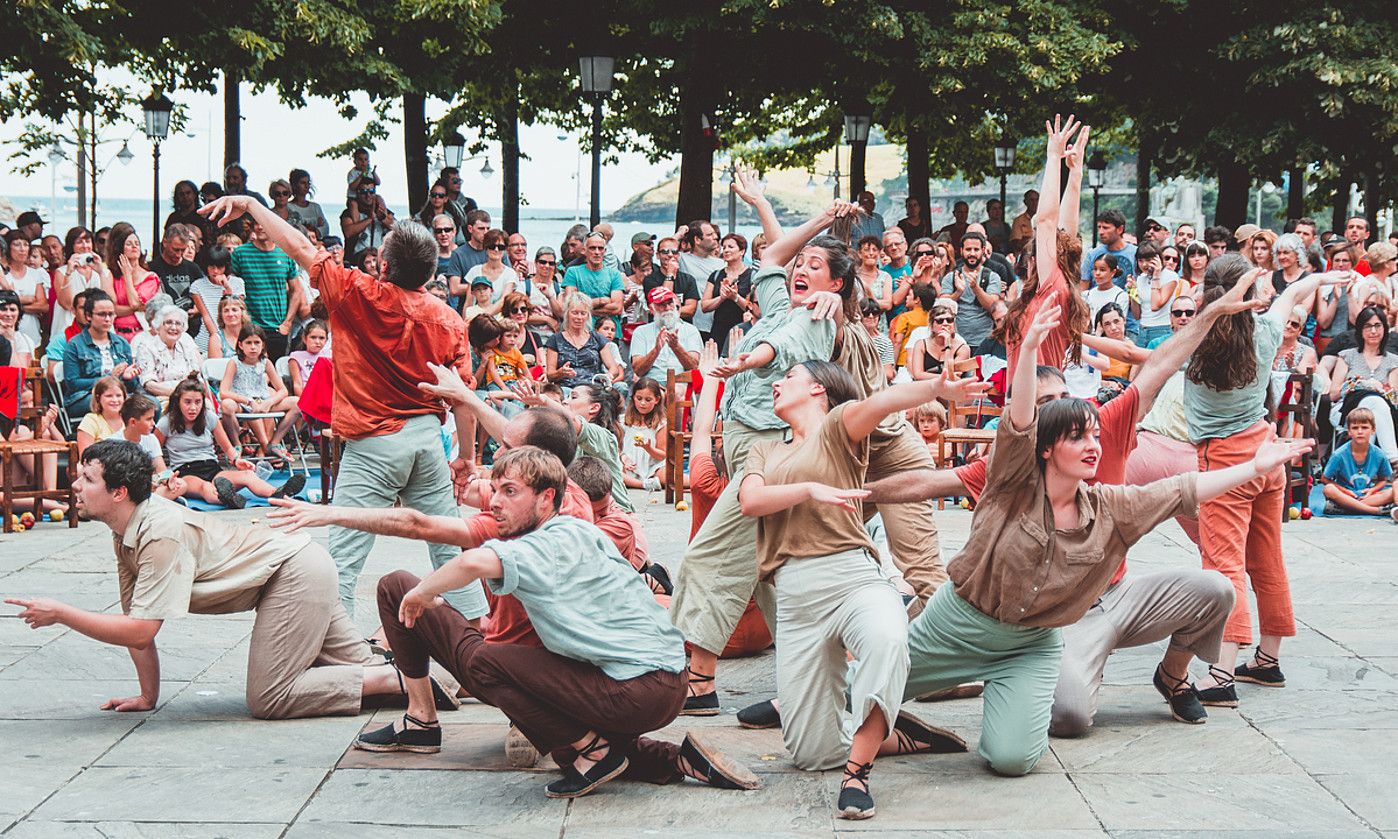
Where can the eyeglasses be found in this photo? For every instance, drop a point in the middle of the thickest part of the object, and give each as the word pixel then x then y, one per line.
pixel 1183 313
pixel 1154 228
pixel 444 230
pixel 495 247
pixel 921 253
pixel 1373 324
pixel 944 320
pixel 280 193
pixel 1293 324
pixel 668 251
pixel 1170 258
pixel 547 263
pixel 519 310
pixel 439 195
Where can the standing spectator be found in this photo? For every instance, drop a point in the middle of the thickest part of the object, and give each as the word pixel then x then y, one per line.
pixel 177 274
pixel 699 259
pixel 868 223
pixel 666 343
pixel 30 225
pixel 602 284
pixel 1155 232
pixel 186 212
pixel 208 292
pixel 365 223
pixel 915 224
pixel 642 262
pixel 1357 234
pixel 608 259
pixel 895 247
pixel 459 205
pixel 996 230
pixel 669 275
pixel 1217 238
pixel 471 253
pixel 444 234
pixel 502 277
pixel 361 175
pixel 975 289
pixel 954 231
pixel 878 285
pixel 83 270
pixel 517 256
pixel 1022 229
pixel 1184 234
pixel 1111 224
pixel 133 282
pixel 435 205
pixel 301 209
pixel 235 182
pixel 31 284
pixel 570 252
pixel 728 291
pixel 269 275
pixel 543 291
pixel 1157 287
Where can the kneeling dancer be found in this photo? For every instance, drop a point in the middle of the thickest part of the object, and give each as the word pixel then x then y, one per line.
pixel 611 668
pixel 832 597
pixel 1042 547
pixel 306 660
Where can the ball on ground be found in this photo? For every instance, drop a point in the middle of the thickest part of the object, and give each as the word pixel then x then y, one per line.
pixel 27 520
pixel 1294 513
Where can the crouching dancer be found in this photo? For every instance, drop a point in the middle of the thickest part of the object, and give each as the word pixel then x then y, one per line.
pixel 306 659
pixel 612 666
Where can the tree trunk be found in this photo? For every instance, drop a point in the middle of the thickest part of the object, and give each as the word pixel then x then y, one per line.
pixel 696 197
pixel 856 168
pixel 1296 193
pixel 917 165
pixel 415 148
pixel 1232 208
pixel 509 165
pixel 232 120
pixel 1143 166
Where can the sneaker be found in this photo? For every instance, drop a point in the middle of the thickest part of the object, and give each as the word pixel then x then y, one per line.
pixel 425 739
pixel 228 495
pixel 1182 698
pixel 519 752
pixel 293 485
pixel 856 803
pixel 762 715
pixel 574 784
pixel 651 484
pixel 1263 670
pixel 709 765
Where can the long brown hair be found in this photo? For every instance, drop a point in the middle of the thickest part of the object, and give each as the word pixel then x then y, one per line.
pixel 1227 359
pixel 1077 316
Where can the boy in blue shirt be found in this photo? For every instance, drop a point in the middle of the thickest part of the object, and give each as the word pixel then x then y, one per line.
pixel 1357 476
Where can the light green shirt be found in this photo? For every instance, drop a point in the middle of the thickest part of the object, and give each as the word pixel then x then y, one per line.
pixel 794 337
pixel 598 442
pixel 1214 414
pixel 585 601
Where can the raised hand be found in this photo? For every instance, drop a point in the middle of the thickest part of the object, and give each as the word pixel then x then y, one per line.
pixel 1235 300
pixel 222 210
pixel 1059 134
pixel 528 392
pixel 747 186
pixel 1281 450
pixel 449 386
pixel 961 390
pixel 845 499
pixel 1044 322
pixel 1077 152
pixel 731 366
pixel 708 359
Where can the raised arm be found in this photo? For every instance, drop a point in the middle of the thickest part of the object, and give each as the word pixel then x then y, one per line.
pixel 784 249
pixel 1046 221
pixel 747 186
pixel 1072 195
pixel 1112 348
pixel 1287 300
pixel 288 238
pixel 1024 388
pixel 450 388
pixel 706 406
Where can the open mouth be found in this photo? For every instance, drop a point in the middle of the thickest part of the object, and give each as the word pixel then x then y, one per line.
pixel 800 286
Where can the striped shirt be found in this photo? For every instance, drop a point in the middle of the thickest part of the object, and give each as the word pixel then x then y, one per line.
pixel 265 276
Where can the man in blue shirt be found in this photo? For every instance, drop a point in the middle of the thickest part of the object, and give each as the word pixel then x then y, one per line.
pixel 599 281
pixel 611 667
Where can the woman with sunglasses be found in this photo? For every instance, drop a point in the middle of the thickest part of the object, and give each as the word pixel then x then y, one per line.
pixel 503 279
pixel 439 203
pixel 928 357
pixel 546 307
pixel 301 209
pixel 1294 356
pixel 280 193
pixel 518 309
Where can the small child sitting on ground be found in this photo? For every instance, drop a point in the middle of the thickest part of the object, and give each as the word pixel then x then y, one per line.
pixel 1358 474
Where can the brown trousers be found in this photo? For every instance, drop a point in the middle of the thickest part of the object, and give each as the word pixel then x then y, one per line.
pixel 552 699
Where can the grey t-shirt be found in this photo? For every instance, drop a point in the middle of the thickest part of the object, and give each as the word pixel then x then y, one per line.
pixel 183 447
pixel 972 322
pixel 700 267
pixel 1214 414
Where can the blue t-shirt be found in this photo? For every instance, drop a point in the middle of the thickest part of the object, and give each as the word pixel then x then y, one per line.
pixel 1358 477
pixel 595 284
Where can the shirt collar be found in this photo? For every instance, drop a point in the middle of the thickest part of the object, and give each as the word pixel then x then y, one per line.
pixel 133 527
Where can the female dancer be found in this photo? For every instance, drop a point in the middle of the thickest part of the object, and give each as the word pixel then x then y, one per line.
pixel 832 597
pixel 1225 395
pixel 1043 546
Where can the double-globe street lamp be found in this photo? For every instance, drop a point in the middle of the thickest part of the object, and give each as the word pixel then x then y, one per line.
pixel 1096 175
pixel 596 73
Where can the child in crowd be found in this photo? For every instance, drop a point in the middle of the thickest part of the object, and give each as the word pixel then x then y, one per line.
pixel 480 299
pixel 506 367
pixel 871 316
pixel 315 346
pixel 900 333
pixel 251 386
pixel 1357 478
pixel 642 436
pixel 189 431
pixel 208 292
pixel 138 418
pixel 607 328
pixel 930 419
pixel 1105 289
pixel 104 420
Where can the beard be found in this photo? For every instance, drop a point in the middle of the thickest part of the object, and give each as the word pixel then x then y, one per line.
pixel 524 525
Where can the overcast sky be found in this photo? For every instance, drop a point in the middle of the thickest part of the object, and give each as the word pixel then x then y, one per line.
pixel 277 138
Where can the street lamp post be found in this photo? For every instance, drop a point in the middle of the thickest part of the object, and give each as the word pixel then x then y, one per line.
pixel 1096 174
pixel 453 149
pixel 56 156
pixel 596 74
pixel 157 108
pixel 1004 161
pixel 857 135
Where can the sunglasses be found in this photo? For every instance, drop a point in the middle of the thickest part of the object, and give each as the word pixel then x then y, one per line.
pixel 280 193
pixel 456 180
pixel 1293 324
pixel 439 195
pixel 444 230
pixel 547 263
pixel 495 247
pixel 668 251
pixel 944 320
pixel 923 253
pixel 519 309
pixel 1170 258
pixel 1154 228
pixel 1181 313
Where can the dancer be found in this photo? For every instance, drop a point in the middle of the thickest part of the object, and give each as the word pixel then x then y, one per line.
pixel 832 597
pixel 611 667
pixel 306 657
pixel 1225 396
pixel 1042 546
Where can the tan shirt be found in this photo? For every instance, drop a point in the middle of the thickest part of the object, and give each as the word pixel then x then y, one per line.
pixel 810 528
pixel 1019 569
pixel 858 355
pixel 173 561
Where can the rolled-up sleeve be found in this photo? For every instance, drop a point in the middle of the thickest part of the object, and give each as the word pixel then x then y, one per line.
pixel 1137 510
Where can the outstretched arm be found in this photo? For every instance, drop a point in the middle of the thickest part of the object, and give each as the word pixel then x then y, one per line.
pixel 747 186
pixel 917 485
pixel 286 237
pixel 1270 455
pixel 477 564
pixel 1287 300
pixel 1046 222
pixel 1024 390
pixel 291 515
pixel 862 417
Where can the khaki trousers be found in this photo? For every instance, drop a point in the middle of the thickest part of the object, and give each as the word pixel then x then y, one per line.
pixel 307 657
pixel 911 527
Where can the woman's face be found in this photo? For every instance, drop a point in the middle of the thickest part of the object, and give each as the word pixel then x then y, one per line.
pixel 579 403
pixel 943 323
pixel 301 186
pixel 729 251
pixel 1341 261
pixel 1113 325
pixel 315 340
pixel 1261 252
pixel 644 401
pixel 9 316
pixel 103 313
pixel 233 314
pixel 578 317
pixel 1292 328
pixel 608 329
pixel 1077 457
pixel 520 313
pixel 1101 273
pixel 1198 262
pixel 191 404
pixel 1170 259
pixel 132 248
pixel 495 252
pixel 792 390
pixel 280 195
pixel 83 244
pixel 1372 330
pixel 111 401
pixel 1286 259
pixel 170 331
pixel 19 253
pixel 869 254
pixel 811 273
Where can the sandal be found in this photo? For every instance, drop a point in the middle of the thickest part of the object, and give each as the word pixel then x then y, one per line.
pixel 1263 670
pixel 1183 699
pixel 1222 695
pixel 914 736
pixel 574 783
pixel 855 803
pixel 425 739
pixel 700 705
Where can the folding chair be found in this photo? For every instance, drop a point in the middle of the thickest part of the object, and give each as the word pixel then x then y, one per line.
pixel 1296 420
pixel 679 398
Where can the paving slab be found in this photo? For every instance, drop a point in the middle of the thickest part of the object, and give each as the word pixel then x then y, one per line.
pixel 141 830
pixel 1204 802
pixel 974 802
pixel 30 743
pixel 440 797
pixel 313 743
pixel 1371 795
pixel 39 698
pixel 788 803
pixel 183 794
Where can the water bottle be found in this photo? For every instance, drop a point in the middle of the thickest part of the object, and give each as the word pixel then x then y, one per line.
pixel 263 470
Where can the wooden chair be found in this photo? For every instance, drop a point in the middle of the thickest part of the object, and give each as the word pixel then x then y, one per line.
pixel 679 400
pixel 1296 420
pixel 11 487
pixel 331 448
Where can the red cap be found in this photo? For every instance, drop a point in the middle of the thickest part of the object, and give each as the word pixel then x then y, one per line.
pixel 660 294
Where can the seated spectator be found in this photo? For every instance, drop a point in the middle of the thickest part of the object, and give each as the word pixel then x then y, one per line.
pixel 577 353
pixel 1292 355
pixel 1357 478
pixel 930 419
pixel 878 284
pixel 315 346
pixel 58 341
pixel 208 292
pixel 477 302
pixel 21 346
pixel 599 283
pixel 104 420
pixel 666 343
pixel 169 355
pixel 929 356
pixel 1110 322
pixel 507 367
pixel 503 279
pixel 1364 376
pixel 871 318
pixel 232 317
pixel 905 325
pixel 643 430
pixel 251 386
pixel 95 352
pixel 728 292
pixel 517 308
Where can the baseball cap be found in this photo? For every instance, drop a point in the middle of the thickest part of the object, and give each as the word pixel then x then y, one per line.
pixel 660 294
pixel 1245 232
pixel 482 280
pixel 642 237
pixel 29 217
pixel 1150 222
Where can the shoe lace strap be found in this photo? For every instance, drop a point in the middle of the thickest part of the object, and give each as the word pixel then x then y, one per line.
pixel 1264 659
pixel 860 774
pixel 1224 678
pixel 409 718
pixel 1175 686
pixel 594 745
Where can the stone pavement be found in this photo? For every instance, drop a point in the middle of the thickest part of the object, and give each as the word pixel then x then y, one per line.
pixel 1313 759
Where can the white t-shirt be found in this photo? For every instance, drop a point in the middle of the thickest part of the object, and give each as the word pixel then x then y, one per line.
pixel 644 338
pixel 25 286
pixel 500 286
pixel 1157 317
pixel 700 268
pixel 1097 298
pixel 20 344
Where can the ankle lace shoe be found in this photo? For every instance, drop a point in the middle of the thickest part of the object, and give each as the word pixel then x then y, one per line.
pixel 574 784
pixel 1182 698
pixel 702 762
pixel 1263 670
pixel 762 715
pixel 855 800
pixel 1222 695
pixel 425 739
pixel 915 736
pixel 700 705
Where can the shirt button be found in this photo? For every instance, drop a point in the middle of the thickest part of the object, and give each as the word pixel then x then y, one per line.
pixel 1036 588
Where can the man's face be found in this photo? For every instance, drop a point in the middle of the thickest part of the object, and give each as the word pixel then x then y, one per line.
pixel 517 248
pixel 1307 233
pixel 477 230
pixel 234 181
pixel 257 235
pixel 1184 234
pixel 663 306
pixel 866 201
pixel 1031 202
pixel 1156 233
pixel 1357 231
pixel 644 250
pixel 1182 311
pixel 709 236
pixel 172 249
pixel 959 211
pixel 594 250
pixel 994 211
pixel 517 508
pixel 94 500
pixel 1218 248
pixel 53 250
pixel 895 245
pixel 1050 388
pixel 972 251
pixel 444 232
pixel 1108 233
pixel 453 182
